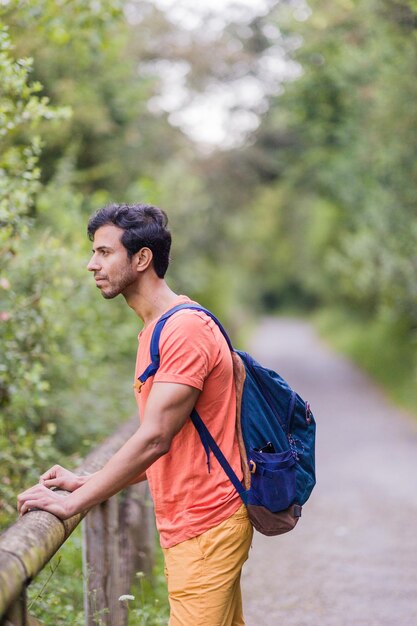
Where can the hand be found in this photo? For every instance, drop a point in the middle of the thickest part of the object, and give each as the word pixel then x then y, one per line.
pixel 40 497
pixel 58 476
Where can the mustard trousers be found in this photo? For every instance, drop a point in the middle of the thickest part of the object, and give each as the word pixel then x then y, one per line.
pixel 203 574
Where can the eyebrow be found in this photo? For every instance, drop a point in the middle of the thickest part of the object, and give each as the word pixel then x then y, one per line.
pixel 100 248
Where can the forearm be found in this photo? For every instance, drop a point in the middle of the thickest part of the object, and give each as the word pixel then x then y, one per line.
pixel 140 478
pixel 168 407
pixel 126 467
pixel 84 478
pixel 137 479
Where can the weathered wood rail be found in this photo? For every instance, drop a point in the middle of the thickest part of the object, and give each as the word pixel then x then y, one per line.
pixel 118 540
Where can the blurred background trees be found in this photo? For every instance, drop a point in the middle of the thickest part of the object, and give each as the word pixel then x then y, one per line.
pixel 342 202
pixel 305 201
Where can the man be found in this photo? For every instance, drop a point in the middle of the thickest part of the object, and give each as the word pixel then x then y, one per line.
pixel 204 529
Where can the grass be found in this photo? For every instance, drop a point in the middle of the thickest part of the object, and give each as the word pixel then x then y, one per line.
pixel 56 595
pixel 386 351
pixel 150 604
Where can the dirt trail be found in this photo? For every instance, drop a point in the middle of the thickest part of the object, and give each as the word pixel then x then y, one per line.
pixel 352 559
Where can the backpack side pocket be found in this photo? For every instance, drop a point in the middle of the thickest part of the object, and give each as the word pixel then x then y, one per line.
pixel 273 480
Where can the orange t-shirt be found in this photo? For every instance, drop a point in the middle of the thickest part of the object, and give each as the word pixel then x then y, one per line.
pixel 188 500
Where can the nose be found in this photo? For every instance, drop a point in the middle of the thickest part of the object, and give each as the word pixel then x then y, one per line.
pixel 92 265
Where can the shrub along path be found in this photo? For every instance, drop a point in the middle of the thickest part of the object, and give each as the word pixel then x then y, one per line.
pixel 352 559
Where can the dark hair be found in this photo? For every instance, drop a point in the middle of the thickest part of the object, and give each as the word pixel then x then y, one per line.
pixel 144 225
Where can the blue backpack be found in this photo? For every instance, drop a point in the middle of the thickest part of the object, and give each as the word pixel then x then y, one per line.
pixel 276 434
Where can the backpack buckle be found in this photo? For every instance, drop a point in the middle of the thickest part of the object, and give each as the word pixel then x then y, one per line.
pixel 252 467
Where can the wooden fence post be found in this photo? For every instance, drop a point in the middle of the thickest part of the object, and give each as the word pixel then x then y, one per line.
pixel 137 533
pixel 118 540
pixel 101 565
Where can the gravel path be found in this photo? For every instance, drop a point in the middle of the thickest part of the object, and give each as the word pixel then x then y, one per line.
pixel 352 559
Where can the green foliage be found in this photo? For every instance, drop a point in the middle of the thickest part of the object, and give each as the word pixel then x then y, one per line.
pixel 56 595
pixel 333 223
pixel 149 606
pixel 385 350
pixel 88 57
pixel 352 160
pixel 23 386
pixel 21 111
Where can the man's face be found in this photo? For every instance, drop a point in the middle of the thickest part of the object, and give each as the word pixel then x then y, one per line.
pixel 113 271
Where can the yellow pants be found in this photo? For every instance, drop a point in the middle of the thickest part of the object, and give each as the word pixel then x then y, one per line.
pixel 203 574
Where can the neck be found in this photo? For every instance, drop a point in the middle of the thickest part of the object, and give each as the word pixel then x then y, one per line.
pixel 151 300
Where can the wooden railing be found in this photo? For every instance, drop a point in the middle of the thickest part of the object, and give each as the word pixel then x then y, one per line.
pixel 118 540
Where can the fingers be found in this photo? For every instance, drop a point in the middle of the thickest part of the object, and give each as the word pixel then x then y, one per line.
pixel 58 476
pixel 53 472
pixel 40 497
pixel 68 482
pixel 29 505
pixel 52 482
pixel 30 495
pixel 60 482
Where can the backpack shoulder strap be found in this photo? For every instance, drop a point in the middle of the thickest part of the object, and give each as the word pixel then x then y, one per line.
pixel 154 349
pixel 207 440
pixel 210 444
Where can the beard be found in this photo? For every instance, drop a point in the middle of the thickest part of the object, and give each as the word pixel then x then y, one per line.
pixel 118 285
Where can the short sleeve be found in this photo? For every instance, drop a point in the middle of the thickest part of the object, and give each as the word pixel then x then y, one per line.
pixel 188 350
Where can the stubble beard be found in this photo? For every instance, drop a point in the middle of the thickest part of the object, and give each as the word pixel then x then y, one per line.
pixel 126 278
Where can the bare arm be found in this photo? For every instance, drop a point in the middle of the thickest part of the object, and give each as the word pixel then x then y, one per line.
pixel 140 478
pixel 58 476
pixel 168 407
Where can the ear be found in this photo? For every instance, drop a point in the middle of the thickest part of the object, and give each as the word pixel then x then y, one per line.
pixel 143 259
